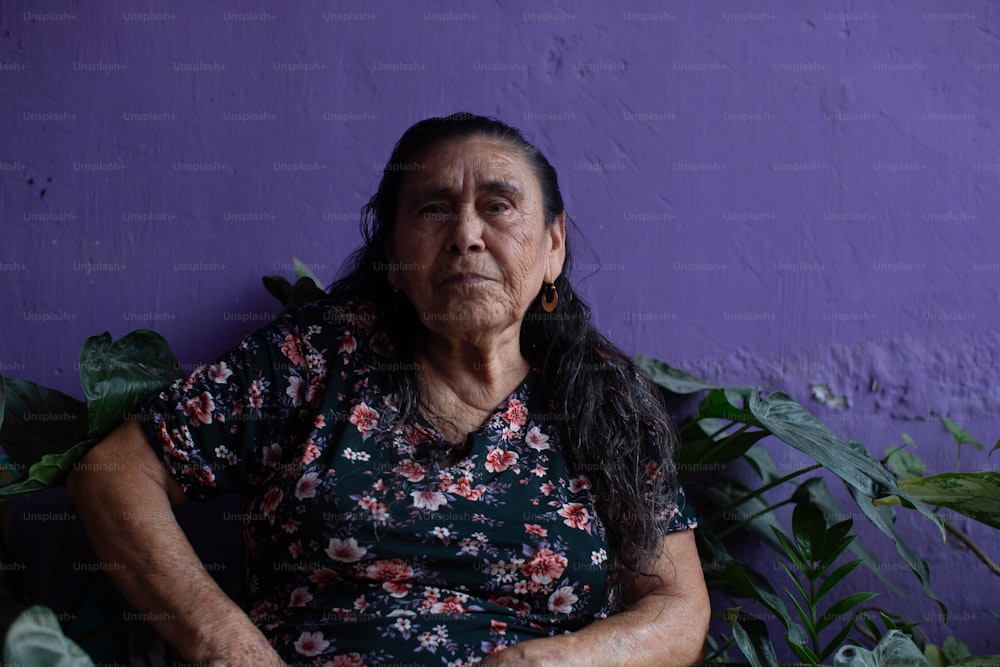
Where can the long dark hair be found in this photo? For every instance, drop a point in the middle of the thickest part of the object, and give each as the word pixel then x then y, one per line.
pixel 616 428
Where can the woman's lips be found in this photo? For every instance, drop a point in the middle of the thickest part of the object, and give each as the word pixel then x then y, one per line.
pixel 464 279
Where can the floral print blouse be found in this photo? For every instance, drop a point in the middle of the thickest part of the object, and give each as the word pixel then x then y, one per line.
pixel 370 539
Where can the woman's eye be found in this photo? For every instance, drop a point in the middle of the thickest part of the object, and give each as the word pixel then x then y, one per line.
pixel 433 212
pixel 497 207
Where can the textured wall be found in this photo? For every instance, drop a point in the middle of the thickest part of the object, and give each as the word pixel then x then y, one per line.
pixel 778 193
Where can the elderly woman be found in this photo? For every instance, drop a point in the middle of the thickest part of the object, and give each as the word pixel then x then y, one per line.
pixel 443 463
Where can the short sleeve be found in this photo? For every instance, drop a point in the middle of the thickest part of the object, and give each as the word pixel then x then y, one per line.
pixel 682 516
pixel 212 429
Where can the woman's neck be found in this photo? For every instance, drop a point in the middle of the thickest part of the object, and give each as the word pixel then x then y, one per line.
pixel 462 384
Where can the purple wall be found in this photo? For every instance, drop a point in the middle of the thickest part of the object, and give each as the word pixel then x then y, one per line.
pixel 770 193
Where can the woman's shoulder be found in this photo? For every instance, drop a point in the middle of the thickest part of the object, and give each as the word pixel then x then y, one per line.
pixel 335 312
pixel 342 325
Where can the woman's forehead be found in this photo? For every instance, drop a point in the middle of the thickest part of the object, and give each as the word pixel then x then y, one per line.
pixel 450 163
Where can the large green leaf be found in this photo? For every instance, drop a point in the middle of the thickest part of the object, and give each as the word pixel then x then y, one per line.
pixel 904 463
pixel 793 424
pixel 961 436
pixel 809 529
pixel 838 609
pixel 884 518
pixel 718 405
pixel 35 638
pixel 818 493
pixel 279 288
pixel 672 379
pixel 893 650
pixel 756 646
pixel 973 494
pixel 51 471
pixel 731 503
pixel 304 290
pixel 37 421
pixel 117 376
pixel 707 453
pixel 864 477
pixel 714 556
pixel 979 661
pixel 302 270
pixel 751 584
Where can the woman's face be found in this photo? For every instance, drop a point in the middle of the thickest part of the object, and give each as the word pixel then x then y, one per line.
pixel 471 249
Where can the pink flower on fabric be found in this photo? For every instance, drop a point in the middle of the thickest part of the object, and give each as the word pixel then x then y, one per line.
pixel 450 605
pixel 392 569
pixel 397 589
pixel 199 409
pixel 536 439
pixel 562 600
pixel 256 393
pixel 219 373
pixel 364 418
pixel 345 551
pixel 428 500
pixel 516 414
pixel 535 529
pixel 347 660
pixel 310 453
pixel 544 566
pixel 299 597
pixel 411 470
pixel 271 500
pixel 347 344
pixel 296 390
pixel 464 488
pixel 290 347
pixel 307 485
pixel 499 460
pixel 315 391
pixel 311 643
pixel 579 483
pixel 575 515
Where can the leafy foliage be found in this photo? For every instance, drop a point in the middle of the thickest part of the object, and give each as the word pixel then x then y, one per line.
pixel 46 432
pixel 727 426
pixel 809 565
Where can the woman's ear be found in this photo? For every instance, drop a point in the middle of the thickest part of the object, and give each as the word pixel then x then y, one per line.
pixel 557 251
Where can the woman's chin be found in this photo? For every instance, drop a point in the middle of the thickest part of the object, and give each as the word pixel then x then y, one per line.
pixel 477 316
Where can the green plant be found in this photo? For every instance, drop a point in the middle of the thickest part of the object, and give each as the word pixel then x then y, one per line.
pixel 726 427
pixel 811 557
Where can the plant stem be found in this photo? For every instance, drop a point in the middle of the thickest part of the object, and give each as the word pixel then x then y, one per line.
pixel 723 533
pixel 763 489
pixel 719 444
pixel 811 576
pixel 973 547
pixel 719 651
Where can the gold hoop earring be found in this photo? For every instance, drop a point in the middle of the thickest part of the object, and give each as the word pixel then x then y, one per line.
pixel 550 297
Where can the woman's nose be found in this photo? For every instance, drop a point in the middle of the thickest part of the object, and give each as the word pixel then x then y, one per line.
pixel 466 231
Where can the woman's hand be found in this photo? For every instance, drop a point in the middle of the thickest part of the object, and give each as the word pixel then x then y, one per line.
pixel 666 626
pixel 250 651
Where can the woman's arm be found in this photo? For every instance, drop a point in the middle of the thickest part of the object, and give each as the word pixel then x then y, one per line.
pixel 665 627
pixel 124 495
